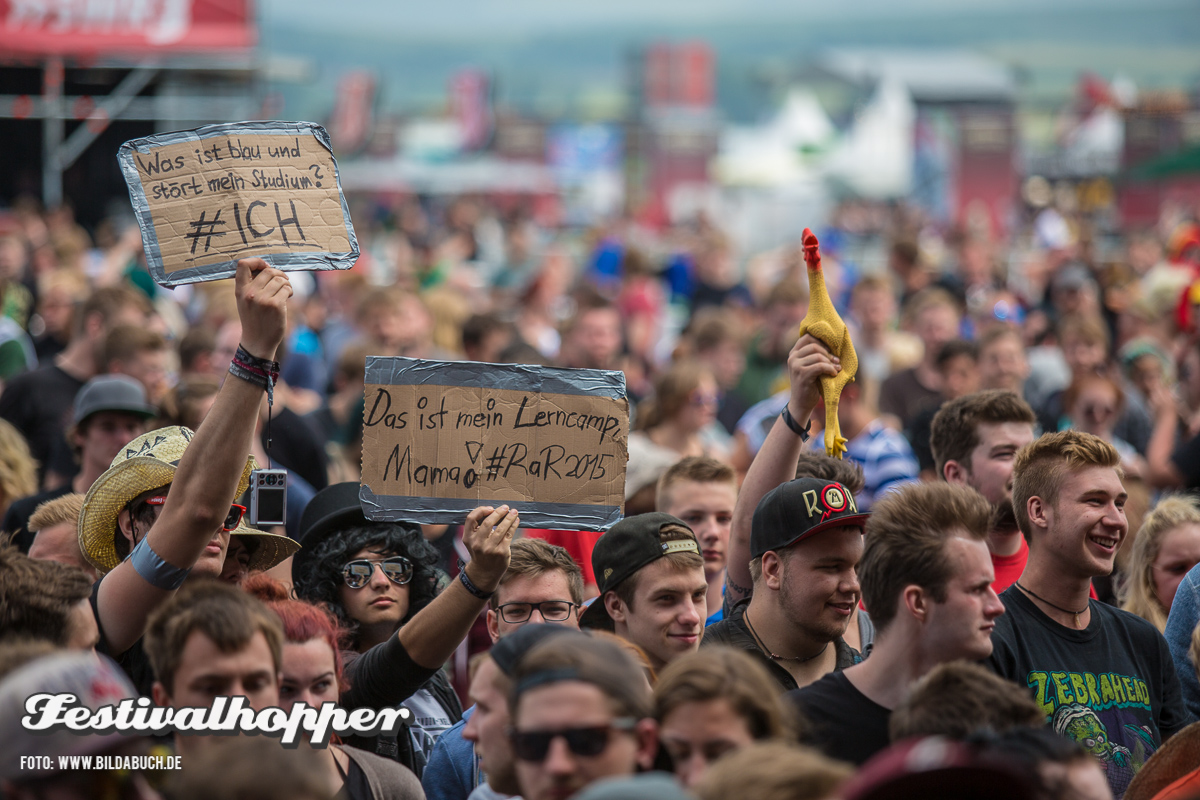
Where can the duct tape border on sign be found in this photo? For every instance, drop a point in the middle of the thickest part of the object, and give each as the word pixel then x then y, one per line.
pixel 442 437
pixel 207 197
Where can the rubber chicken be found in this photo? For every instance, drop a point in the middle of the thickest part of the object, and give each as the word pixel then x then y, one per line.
pixel 823 323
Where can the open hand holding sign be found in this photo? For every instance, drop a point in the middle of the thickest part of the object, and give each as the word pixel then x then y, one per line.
pixel 487 534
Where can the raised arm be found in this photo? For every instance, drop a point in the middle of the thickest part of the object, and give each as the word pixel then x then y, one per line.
pixel 776 459
pixel 206 482
pixel 436 631
pixel 1161 471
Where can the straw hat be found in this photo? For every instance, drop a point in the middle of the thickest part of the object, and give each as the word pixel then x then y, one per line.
pixel 147 463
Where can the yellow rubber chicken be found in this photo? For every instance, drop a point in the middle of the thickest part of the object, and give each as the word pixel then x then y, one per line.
pixel 823 323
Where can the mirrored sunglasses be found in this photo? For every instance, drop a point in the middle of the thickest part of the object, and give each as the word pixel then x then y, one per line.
pixel 396 569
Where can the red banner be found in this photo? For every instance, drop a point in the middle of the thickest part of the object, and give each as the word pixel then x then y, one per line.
pixel 92 27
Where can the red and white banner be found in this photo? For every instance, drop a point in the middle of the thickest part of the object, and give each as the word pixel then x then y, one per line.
pixel 91 27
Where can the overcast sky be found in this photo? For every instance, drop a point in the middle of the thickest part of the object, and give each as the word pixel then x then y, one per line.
pixel 474 18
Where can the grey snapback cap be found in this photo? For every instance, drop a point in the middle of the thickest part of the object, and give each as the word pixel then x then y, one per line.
pixel 112 393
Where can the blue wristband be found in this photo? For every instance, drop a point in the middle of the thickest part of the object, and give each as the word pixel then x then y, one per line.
pixel 156 572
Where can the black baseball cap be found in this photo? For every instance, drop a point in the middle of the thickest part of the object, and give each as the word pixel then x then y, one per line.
pixel 631 544
pixel 799 509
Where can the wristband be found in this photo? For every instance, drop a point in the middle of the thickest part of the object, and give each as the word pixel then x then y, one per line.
pixel 470 587
pixel 264 365
pixel 794 426
pixel 154 570
pixel 262 372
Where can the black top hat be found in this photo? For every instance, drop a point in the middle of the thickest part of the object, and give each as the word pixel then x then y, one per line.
pixel 332 509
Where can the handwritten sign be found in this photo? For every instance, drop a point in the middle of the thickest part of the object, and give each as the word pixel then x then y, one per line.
pixel 207 197
pixel 442 437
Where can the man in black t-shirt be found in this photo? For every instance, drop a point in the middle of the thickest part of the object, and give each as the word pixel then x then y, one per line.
pixel 790 587
pixel 1102 676
pixel 38 403
pixel 926 577
pixel 805 540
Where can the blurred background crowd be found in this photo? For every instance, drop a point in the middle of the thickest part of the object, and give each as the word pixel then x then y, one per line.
pixel 989 219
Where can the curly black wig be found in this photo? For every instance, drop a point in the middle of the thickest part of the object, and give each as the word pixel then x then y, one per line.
pixel 320 579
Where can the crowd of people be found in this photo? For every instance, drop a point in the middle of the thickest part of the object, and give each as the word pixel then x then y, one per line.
pixel 996 593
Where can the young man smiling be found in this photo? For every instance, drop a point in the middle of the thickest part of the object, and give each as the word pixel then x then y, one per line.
pixel 1102 676
pixel 652 586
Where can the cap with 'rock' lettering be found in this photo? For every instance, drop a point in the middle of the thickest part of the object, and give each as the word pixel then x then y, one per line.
pixel 799 509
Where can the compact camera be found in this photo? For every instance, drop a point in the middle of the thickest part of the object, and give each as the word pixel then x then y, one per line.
pixel 268 497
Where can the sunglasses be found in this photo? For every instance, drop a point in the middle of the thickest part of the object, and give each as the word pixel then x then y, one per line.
pixel 534 745
pixel 358 573
pixel 232 519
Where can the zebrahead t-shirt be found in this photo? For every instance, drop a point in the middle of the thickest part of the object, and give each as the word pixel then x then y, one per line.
pixel 1111 686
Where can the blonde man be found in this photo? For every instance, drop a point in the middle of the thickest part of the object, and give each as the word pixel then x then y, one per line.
pixel 55 533
pixel 1102 676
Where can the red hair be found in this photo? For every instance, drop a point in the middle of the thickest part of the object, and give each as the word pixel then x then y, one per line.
pixel 302 621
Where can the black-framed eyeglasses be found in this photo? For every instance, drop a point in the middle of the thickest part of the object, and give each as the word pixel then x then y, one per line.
pixel 534 745
pixel 551 611
pixel 396 569
pixel 232 519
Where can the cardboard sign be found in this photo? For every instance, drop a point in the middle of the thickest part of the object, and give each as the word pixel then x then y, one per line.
pixel 442 437
pixel 206 198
